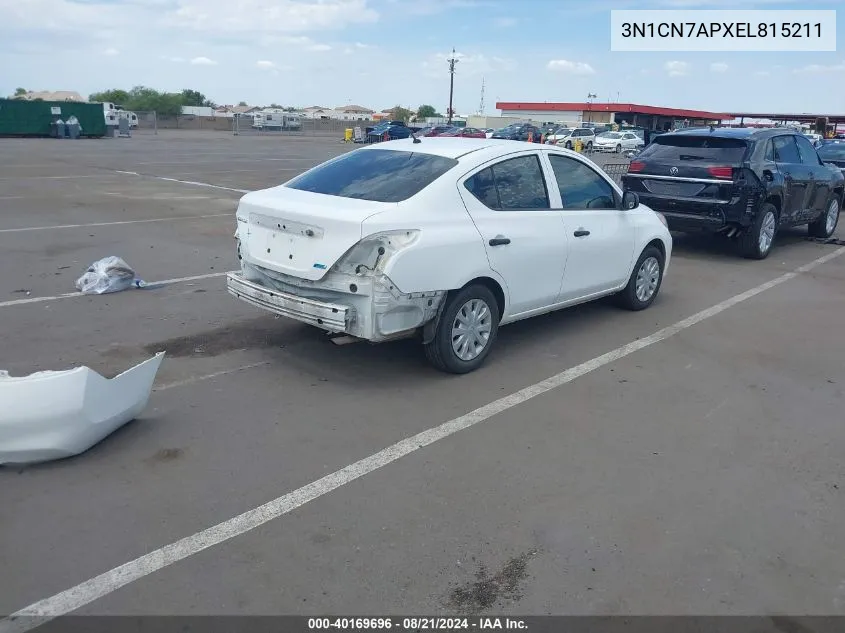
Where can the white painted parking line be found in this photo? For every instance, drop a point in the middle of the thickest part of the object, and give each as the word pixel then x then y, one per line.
pixel 184 182
pixel 195 379
pixel 74 295
pixel 117 223
pixel 86 592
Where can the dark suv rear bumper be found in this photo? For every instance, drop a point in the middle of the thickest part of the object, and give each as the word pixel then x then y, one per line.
pixel 698 214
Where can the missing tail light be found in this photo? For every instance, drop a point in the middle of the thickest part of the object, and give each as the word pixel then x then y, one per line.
pixel 722 173
pixel 636 166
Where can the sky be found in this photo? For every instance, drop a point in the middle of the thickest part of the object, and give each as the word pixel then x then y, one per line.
pixel 382 53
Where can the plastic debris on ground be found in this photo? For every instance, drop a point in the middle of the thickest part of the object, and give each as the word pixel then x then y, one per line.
pixel 51 415
pixel 110 274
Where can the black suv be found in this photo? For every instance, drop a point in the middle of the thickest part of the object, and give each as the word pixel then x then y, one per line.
pixel 742 182
pixel 520 132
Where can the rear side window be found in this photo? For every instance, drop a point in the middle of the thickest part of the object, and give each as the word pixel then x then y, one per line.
pixel 511 185
pixel 786 151
pixel 700 149
pixel 378 175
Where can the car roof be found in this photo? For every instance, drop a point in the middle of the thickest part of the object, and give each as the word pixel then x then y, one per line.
pixel 448 147
pixel 732 132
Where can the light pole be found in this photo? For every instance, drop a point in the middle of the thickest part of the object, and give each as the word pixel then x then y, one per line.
pixel 452 61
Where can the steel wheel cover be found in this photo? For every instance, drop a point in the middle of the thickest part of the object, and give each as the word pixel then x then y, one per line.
pixel 471 329
pixel 648 276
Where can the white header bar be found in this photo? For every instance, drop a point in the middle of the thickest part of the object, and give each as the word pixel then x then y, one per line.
pixel 791 30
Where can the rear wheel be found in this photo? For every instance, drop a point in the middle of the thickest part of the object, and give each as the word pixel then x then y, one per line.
pixel 466 331
pixel 825 224
pixel 568 145
pixel 645 281
pixel 756 242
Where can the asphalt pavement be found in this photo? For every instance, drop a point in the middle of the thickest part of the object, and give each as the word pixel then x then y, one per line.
pixel 686 459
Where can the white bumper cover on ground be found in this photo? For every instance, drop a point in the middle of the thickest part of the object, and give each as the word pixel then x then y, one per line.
pixel 54 414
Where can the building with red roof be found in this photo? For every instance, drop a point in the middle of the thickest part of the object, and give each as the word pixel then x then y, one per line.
pixel 649 117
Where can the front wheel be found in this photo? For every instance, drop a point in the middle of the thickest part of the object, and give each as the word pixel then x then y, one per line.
pixel 568 145
pixel 645 281
pixel 618 149
pixel 466 331
pixel 825 224
pixel 756 242
pixel 589 146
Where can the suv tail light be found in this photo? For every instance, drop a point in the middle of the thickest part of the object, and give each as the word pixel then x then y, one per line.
pixel 636 166
pixel 723 173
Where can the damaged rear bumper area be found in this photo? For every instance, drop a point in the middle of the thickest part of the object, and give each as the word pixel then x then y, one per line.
pixel 368 307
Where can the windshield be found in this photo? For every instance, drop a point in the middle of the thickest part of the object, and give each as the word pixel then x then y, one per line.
pixel 832 151
pixel 610 135
pixel 703 149
pixel 378 175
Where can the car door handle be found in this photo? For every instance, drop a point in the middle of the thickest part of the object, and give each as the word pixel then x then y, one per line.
pixel 499 241
pixel 581 233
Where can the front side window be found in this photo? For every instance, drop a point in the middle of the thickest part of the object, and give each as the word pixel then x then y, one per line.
pixel 377 175
pixel 580 186
pixel 511 185
pixel 807 152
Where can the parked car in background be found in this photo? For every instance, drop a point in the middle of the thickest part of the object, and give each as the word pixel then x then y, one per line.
pixel 466 132
pixel 558 134
pixel 393 129
pixel 617 142
pixel 437 130
pixel 567 139
pixel 519 132
pixel 488 131
pixel 745 183
pixel 445 240
pixel 423 131
pixel 832 152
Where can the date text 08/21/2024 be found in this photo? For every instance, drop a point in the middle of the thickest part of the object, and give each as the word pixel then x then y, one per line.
pixel 416 624
pixel 722 29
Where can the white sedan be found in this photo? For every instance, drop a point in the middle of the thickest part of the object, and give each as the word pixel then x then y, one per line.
pixel 445 239
pixel 617 142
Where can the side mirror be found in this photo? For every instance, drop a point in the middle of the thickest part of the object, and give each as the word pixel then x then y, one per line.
pixel 630 200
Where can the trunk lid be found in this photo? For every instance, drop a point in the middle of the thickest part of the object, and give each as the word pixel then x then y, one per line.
pixel 301 233
pixel 688 166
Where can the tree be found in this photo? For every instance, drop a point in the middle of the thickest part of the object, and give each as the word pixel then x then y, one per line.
pixel 196 98
pixel 401 114
pixel 242 104
pixel 115 95
pixel 19 92
pixel 427 111
pixel 276 106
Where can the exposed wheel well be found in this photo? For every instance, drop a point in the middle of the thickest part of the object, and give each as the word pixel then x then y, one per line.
pixel 494 287
pixel 775 202
pixel 840 193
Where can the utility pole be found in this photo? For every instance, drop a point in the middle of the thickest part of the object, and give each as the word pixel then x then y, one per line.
pixel 452 61
pixel 481 105
pixel 590 97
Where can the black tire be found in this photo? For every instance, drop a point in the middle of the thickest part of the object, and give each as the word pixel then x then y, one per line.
pixel 440 352
pixel 628 298
pixel 749 241
pixel 619 149
pixel 568 145
pixel 819 227
pixel 589 146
